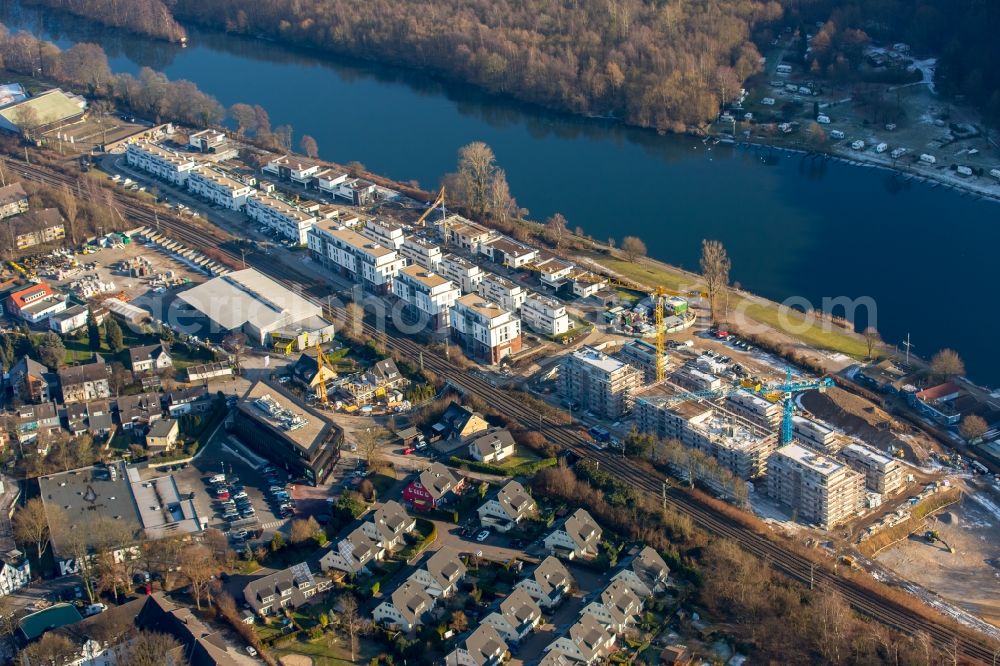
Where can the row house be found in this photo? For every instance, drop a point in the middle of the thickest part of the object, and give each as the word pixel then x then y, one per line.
pixel 422 252
pixel 511 505
pixel 548 583
pixel 384 232
pixel 219 188
pixel 617 607
pixel 646 573
pixel 349 253
pixel 433 488
pixel 466 234
pixel 287 589
pixel 168 165
pixel 427 295
pixel 37 227
pixel 83 383
pixel 462 272
pixel 486 331
pixel 507 294
pixel 545 315
pixel 286 219
pixel 405 608
pixel 576 536
pixel 389 525
pixel 13 200
pixel 587 642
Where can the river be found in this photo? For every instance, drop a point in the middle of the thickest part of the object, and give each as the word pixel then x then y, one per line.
pixel 794 226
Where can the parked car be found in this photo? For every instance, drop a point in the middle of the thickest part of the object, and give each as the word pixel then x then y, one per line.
pixel 483 536
pixel 240 495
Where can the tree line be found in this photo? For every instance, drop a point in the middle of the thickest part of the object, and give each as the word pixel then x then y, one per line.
pixel 145 17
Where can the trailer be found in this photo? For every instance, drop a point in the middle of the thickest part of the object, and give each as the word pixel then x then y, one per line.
pixel 823 119
pixel 881 148
pixel 897 153
pixel 928 159
pixel 964 171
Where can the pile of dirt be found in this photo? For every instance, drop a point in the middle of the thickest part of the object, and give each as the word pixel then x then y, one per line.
pixel 295 660
pixel 855 416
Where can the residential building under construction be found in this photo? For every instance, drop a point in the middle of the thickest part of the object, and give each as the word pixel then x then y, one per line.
pixel 599 383
pixel 883 473
pixel 815 487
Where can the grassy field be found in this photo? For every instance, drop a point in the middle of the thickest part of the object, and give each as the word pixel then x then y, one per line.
pixel 330 650
pixel 835 340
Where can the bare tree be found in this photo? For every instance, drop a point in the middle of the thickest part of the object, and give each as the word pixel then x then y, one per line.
pixel 51 648
pixel 304 530
pixel 200 568
pixel 148 648
pixel 501 203
pixel 236 344
pixel 369 441
pixel 245 117
pixel 354 321
pixel 350 620
pixel 70 208
pixel 947 364
pixel 309 146
pixel 715 267
pixel 476 171
pixel 972 427
pixel 633 247
pixel 872 340
pixel 32 526
pixel 555 229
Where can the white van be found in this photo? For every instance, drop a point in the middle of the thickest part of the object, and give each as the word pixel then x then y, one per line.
pixel 858 145
pixel 218 478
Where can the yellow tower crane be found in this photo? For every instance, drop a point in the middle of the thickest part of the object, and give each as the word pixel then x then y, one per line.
pixel 661 333
pixel 320 379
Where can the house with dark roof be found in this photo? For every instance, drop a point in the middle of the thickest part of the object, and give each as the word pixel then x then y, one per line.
pixel 433 488
pixel 162 436
pixel 586 642
pixel 199 644
pixel 517 616
pixel 548 583
pixel 617 608
pixel 286 589
pixel 458 422
pixel 30 381
pixel 577 535
pixel 38 420
pixel 306 372
pixel 491 446
pixel 483 647
pixel 405 608
pixel 83 383
pixel 149 358
pixel 194 400
pixel 37 227
pixel 442 574
pixel 99 422
pixel 507 508
pixel 353 553
pixel 139 410
pixel 13 200
pixel 389 524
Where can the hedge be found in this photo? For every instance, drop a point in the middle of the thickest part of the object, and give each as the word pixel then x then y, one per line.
pixel 524 469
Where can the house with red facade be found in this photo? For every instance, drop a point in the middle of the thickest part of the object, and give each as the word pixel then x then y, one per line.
pixel 433 488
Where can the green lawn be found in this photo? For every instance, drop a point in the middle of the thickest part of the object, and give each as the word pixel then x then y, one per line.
pixel 522 456
pixel 330 650
pixel 645 274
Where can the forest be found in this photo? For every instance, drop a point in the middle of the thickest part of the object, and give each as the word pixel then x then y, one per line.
pixel 146 17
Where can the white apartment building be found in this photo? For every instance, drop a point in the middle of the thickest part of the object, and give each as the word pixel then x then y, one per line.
pixel 290 221
pixel 292 167
pixel 545 315
pixel 553 271
pixel 503 292
pixel 509 252
pixel 349 253
pixel 165 164
pixel 429 294
pixel 462 272
pixel 384 232
pixel 220 189
pixel 328 180
pixel 466 234
pixel 817 488
pixel 422 252
pixel 487 331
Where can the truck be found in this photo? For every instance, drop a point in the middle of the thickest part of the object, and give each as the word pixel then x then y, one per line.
pixel 927 158
pixel 600 434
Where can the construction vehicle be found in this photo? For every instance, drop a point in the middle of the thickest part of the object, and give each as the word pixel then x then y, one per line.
pixel 783 391
pixel 933 537
pixel 438 201
pixel 320 379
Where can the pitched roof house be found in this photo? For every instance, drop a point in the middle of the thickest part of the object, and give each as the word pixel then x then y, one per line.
pixel 483 647
pixel 510 506
pixel 141 409
pixel 646 573
pixel 352 553
pixel 83 383
pixel 405 608
pixel 458 422
pixel 442 573
pixel 432 487
pixel 578 535
pixel 389 524
pixel 149 358
pixel 517 616
pixel 491 446
pixel 617 607
pixel 547 583
pixel 587 642
pixel 288 588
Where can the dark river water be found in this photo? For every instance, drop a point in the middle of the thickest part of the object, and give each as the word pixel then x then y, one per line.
pixel 794 226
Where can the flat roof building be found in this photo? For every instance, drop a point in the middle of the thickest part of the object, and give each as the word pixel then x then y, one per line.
pixel 817 488
pixel 641 355
pixel 755 408
pixel 288 220
pixel 883 473
pixel 384 232
pixel 508 295
pixel 462 272
pixel 599 383
pixel 253 303
pixel 545 315
pixel 486 331
pixel 168 165
pixel 276 426
pixel 427 295
pixel 422 252
pixel 817 435
pixel 370 264
pixel 219 188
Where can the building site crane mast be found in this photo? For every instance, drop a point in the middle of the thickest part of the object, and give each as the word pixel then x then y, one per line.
pixel 661 333
pixel 320 377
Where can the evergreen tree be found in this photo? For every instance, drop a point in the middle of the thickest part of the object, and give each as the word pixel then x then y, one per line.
pixel 7 354
pixel 93 331
pixel 113 335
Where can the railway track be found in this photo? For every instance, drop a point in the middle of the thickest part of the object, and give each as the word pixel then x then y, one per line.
pixel 571 437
